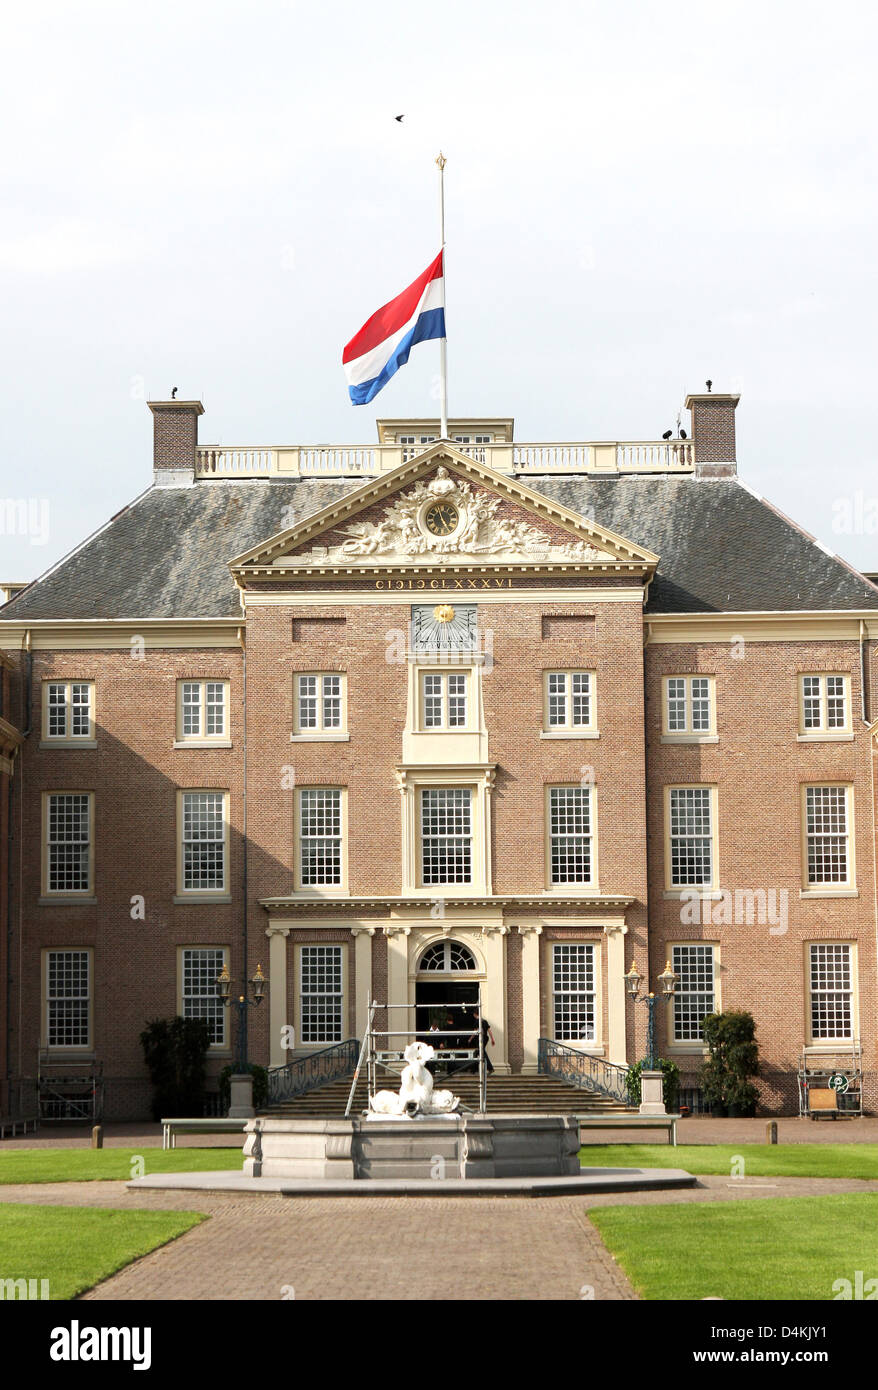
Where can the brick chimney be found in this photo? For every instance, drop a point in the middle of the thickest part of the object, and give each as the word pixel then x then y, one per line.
pixel 713 434
pixel 175 439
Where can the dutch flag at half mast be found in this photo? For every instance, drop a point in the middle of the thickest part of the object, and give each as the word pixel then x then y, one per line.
pixel 384 342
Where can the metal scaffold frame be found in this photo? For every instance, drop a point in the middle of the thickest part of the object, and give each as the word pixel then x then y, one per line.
pixel 69 1090
pixel 817 1077
pixel 375 1057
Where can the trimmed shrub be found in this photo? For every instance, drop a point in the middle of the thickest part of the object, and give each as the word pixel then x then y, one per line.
pixel 733 1059
pixel 175 1050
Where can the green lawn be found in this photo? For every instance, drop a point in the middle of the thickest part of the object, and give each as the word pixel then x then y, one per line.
pixel 760 1160
pixel 90 1165
pixel 74 1248
pixel 786 1247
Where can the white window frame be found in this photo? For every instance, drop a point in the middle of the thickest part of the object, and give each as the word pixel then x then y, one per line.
pixel 479 780
pixel 674 1039
pixel 321 732
pixel 829 887
pixel 412 445
pixel 558 686
pixel 460 796
pixel 686 732
pixel 202 739
pixel 447 948
pixel 223 1010
pixel 304 796
pixel 47 1001
pixel 821 732
pixel 338 951
pixel 214 893
pixel 68 738
pixel 827 1043
pixel 590 836
pixel 673 888
pixel 444 678
pixel 76 894
pixel 592 995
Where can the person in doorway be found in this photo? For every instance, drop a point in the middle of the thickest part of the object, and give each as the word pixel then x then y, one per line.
pixel 437 1044
pixel 487 1036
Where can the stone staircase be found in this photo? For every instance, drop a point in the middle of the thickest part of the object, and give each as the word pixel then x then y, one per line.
pixel 510 1095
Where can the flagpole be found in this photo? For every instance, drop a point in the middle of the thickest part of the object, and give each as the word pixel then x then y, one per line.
pixel 443 360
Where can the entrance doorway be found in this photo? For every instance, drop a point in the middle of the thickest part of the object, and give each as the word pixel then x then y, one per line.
pixel 446 1002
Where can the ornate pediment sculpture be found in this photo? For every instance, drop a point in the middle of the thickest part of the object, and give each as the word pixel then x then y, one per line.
pixel 445 518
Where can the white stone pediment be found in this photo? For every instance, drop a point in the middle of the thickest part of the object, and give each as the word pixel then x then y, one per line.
pixel 401 536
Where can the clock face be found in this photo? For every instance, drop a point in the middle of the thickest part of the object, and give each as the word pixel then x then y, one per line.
pixel 441 519
pixel 444 627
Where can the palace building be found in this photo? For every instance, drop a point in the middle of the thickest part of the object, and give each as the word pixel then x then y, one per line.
pixel 399 720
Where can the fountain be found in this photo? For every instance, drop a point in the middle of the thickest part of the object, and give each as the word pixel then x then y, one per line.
pixel 408 1139
pixel 415 1133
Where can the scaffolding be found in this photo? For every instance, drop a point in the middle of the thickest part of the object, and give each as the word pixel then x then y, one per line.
pixel 390 1060
pixel 831 1084
pixel 69 1090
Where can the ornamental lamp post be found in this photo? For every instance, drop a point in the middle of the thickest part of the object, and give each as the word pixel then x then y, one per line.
pixel 652 1102
pixel 242 1080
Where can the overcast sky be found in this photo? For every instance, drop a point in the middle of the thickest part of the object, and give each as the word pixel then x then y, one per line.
pixel 639 196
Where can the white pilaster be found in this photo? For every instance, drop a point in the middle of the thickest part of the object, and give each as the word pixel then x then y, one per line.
pixel 494 993
pixel 530 995
pixel 617 1048
pixel 398 980
pixel 278 1055
pixel 363 974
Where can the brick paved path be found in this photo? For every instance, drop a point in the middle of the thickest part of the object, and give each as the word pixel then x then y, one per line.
pixel 375 1248
pixel 389 1247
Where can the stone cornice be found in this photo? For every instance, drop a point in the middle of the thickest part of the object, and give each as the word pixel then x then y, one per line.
pixel 836 624
pixel 314 906
pixel 10 737
pixel 100 634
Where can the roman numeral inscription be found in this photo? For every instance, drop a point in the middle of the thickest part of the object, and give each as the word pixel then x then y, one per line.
pixel 464 582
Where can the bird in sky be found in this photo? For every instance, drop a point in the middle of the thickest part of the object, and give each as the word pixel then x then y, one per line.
pixel 399 118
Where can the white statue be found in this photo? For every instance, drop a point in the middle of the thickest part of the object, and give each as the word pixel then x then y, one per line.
pixel 416 1088
pixel 442 484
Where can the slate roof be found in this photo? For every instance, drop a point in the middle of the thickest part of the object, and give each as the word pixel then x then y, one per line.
pixel 722 549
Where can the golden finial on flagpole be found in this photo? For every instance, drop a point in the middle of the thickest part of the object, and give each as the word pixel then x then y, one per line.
pixel 441 160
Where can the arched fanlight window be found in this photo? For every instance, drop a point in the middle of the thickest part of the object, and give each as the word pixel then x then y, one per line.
pixel 447 955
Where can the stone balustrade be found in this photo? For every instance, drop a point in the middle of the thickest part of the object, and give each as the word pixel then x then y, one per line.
pixel 371 460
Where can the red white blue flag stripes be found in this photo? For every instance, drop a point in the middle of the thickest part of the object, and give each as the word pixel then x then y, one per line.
pixel 384 342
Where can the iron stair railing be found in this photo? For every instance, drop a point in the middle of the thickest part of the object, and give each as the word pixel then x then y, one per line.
pixel 581 1069
pixel 303 1074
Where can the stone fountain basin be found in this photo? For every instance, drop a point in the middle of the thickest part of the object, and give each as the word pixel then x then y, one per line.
pixel 426 1147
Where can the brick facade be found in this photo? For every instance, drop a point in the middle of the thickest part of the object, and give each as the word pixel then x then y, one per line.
pixel 757 765
pixel 10 741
